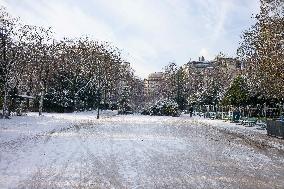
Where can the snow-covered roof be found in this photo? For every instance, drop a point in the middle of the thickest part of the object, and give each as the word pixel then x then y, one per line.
pixel 200 64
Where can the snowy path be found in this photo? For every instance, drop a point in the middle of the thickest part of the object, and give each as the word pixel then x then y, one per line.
pixel 139 152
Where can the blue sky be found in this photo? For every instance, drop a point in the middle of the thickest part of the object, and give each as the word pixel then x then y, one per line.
pixel 151 33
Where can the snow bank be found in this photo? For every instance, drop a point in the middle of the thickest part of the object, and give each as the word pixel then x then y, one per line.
pixel 31 125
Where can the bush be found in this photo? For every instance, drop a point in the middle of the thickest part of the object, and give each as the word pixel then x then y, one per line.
pixel 126 110
pixel 163 108
pixel 145 112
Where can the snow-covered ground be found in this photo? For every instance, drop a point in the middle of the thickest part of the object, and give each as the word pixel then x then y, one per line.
pixel 78 151
pixel 32 124
pixel 253 134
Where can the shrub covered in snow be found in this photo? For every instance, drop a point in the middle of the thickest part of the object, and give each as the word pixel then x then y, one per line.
pixel 163 108
pixel 124 102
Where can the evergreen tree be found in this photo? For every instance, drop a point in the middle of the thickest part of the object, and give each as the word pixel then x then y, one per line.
pixel 124 101
pixel 181 93
pixel 169 86
pixel 237 94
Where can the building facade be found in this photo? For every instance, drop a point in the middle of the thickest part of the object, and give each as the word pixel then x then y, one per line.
pixel 153 85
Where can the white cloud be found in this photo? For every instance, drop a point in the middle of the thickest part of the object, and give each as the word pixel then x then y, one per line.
pixel 204 52
pixel 3 3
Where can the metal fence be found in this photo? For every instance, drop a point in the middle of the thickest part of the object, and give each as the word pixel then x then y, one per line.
pixel 275 128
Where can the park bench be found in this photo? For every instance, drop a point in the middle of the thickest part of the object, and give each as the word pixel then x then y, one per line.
pixel 227 118
pixel 241 120
pixel 261 125
pixel 249 122
pixel 212 115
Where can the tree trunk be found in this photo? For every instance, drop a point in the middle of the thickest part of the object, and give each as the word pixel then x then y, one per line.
pixel 5 102
pixel 40 104
pixel 40 109
pixel 75 103
pixel 264 110
pixel 29 93
pixel 98 112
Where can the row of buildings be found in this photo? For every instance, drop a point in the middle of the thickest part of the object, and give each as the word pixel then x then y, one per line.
pixel 202 67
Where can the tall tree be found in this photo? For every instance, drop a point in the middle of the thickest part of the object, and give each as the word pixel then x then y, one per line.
pixel 262 49
pixel 10 54
pixel 42 53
